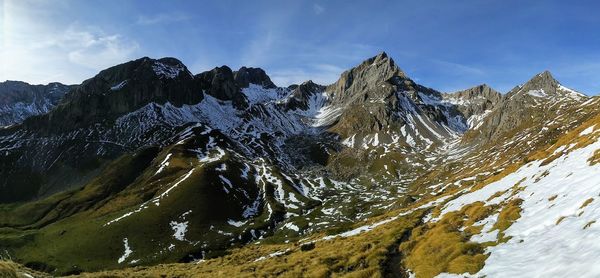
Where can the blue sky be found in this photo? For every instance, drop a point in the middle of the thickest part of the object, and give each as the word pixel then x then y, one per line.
pixel 447 45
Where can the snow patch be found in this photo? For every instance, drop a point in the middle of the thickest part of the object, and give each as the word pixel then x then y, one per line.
pixel 179 229
pixel 127 251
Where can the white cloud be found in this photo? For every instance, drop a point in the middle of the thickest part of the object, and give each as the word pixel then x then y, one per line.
pixel 97 50
pixel 318 9
pixel 37 49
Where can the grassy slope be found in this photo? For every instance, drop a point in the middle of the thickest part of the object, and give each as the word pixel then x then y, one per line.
pixel 369 254
pixel 430 248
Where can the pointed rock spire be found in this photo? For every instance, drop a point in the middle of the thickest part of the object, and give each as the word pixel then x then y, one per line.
pixel 367 75
pixel 542 80
pixel 545 85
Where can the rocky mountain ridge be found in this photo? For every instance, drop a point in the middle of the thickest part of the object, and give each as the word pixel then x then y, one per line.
pixel 19 100
pixel 223 158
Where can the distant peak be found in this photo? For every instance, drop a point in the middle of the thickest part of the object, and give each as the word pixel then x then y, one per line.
pixel 481 90
pixel 382 59
pixel 248 75
pixel 369 73
pixel 545 74
pixel 544 84
pixel 308 83
pixel 309 86
pixel 171 61
pixel 382 55
pixel 542 80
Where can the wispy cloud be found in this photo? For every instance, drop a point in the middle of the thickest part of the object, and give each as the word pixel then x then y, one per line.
pixel 456 68
pixel 161 18
pixel 259 48
pixel 98 50
pixel 38 50
pixel 324 74
pixel 318 9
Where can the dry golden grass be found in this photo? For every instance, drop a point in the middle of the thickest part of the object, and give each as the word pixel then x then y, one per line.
pixel 442 246
pixel 508 215
pixel 595 158
pixel 9 269
pixel 586 202
pixel 560 219
pixel 589 224
pixel 364 255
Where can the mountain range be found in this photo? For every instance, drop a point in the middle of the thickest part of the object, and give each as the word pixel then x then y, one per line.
pixel 147 169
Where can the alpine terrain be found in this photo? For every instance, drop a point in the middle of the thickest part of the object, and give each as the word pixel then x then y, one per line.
pixel 149 170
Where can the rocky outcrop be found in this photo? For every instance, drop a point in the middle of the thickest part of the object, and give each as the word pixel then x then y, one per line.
pixel 377 96
pixel 474 103
pixel 365 78
pixel 119 90
pixel 20 100
pixel 301 94
pixel 525 105
pixel 221 84
pixel 246 76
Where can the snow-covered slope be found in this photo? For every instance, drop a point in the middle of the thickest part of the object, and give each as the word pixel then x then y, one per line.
pixel 19 100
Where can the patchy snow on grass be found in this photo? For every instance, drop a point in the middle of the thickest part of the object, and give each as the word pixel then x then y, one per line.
pixel 275 254
pixel 164 163
pixel 236 223
pixel 291 226
pixel 127 251
pixel 179 229
pixel 540 245
pixel 226 182
pixel 156 200
pixel 587 131
pixel 486 234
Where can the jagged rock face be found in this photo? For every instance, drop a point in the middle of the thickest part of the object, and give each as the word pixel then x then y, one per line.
pixel 20 100
pixel 300 95
pixel 541 82
pixel 246 76
pixel 474 103
pixel 377 96
pixel 121 89
pixel 221 84
pixel 363 79
pixel 366 93
pixel 538 99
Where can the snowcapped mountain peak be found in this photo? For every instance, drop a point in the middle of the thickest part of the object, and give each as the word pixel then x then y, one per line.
pixel 544 87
